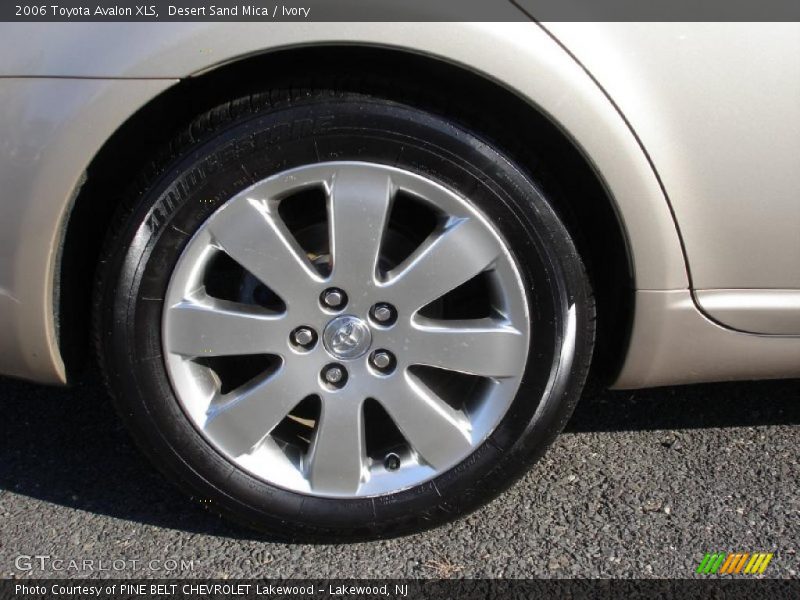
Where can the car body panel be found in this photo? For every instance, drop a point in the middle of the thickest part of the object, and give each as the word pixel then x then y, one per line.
pixel 717 107
pixel 672 342
pixel 541 71
pixel 49 131
pixel 79 81
pixel 773 312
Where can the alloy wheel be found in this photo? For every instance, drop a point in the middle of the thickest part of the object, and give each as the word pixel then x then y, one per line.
pixel 354 349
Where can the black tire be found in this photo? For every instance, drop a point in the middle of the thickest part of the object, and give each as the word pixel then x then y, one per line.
pixel 244 141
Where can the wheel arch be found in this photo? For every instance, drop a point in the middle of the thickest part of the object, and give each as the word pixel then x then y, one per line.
pixel 514 124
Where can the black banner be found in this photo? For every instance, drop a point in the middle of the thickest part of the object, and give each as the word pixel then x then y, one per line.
pixel 470 589
pixel 397 10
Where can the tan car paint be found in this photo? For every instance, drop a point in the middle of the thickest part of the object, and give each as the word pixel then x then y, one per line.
pixel 49 131
pixel 55 126
pixel 717 106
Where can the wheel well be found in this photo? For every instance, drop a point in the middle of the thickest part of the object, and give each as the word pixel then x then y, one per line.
pixel 487 108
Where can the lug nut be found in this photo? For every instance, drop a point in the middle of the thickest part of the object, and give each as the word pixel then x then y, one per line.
pixel 384 313
pixel 334 298
pixel 303 336
pixel 336 375
pixel 382 360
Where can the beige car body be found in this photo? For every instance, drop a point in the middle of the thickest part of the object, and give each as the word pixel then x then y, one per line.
pixel 693 128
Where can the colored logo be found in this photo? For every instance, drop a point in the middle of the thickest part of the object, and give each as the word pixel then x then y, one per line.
pixel 735 563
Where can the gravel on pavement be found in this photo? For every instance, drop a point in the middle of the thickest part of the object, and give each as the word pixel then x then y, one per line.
pixel 642 484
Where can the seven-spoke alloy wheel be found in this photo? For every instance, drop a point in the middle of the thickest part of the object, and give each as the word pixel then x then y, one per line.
pixel 337 317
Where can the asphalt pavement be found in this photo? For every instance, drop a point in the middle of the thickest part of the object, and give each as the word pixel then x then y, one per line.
pixel 642 484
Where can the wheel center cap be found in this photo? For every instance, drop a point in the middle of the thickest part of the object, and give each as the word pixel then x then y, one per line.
pixel 347 337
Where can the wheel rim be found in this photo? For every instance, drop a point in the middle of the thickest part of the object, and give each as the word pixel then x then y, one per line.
pixel 378 374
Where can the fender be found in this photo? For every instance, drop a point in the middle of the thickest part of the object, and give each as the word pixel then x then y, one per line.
pixel 75 83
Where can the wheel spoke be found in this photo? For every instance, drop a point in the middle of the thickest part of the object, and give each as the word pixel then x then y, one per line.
pixel 479 347
pixel 255 237
pixel 337 457
pixel 442 263
pixel 218 328
pixel 359 204
pixel 252 413
pixel 437 432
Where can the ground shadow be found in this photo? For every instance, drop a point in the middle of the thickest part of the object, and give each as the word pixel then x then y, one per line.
pixel 739 404
pixel 66 446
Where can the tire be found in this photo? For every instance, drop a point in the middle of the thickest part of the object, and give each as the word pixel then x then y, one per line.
pixel 259 138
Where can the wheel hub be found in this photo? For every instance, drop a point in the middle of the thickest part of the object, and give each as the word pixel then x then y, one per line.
pixel 347 337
